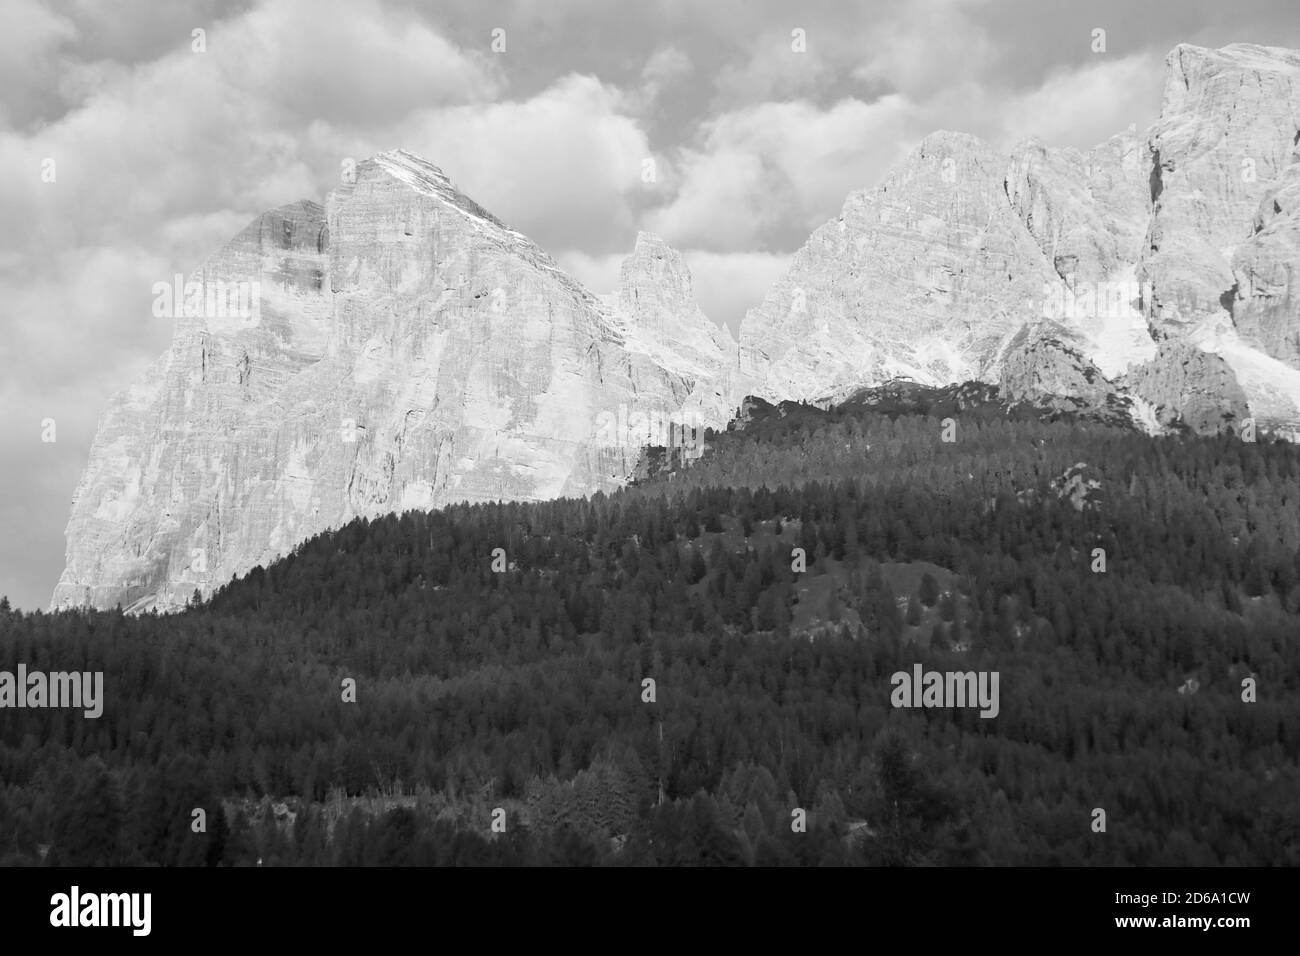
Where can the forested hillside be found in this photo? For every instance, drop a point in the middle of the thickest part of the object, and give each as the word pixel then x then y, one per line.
pixel 1126 590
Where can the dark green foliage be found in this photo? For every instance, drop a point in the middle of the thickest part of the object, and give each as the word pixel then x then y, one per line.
pixel 929 589
pixel 913 617
pixel 522 689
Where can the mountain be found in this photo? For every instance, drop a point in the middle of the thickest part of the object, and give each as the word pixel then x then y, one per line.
pixel 960 260
pixel 404 349
pixel 658 316
pixel 927 276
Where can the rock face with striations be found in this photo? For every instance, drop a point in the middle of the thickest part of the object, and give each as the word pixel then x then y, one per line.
pixel 407 350
pixel 1088 215
pixel 1086 211
pixel 1225 134
pixel 1221 232
pixel 657 314
pixel 927 276
pixel 1266 270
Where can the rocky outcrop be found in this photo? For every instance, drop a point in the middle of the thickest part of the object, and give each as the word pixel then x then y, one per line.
pixel 926 276
pixel 408 350
pixel 1188 387
pixel 1042 368
pixel 658 316
pixel 1039 365
pixel 1076 486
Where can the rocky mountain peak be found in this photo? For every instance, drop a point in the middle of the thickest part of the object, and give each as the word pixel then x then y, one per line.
pixel 656 312
pixel 656 270
pixel 409 350
pixel 427 179
pixel 925 277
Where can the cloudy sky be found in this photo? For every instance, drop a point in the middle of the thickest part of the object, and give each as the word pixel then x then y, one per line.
pixel 162 152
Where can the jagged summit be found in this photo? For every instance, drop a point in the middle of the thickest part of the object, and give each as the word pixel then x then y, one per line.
pixel 414 169
pixel 656 270
pixel 656 310
pixel 409 350
pixel 649 241
pixel 430 180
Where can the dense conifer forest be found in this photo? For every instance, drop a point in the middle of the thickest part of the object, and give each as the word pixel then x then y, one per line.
pixel 1126 589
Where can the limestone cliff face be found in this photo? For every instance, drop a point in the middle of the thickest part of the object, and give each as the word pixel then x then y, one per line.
pixel 1266 270
pixel 168 483
pixel 926 276
pixel 1215 255
pixel 408 350
pixel 1088 213
pixel 1226 131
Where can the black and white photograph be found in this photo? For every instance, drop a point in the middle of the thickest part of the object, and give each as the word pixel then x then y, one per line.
pixel 675 433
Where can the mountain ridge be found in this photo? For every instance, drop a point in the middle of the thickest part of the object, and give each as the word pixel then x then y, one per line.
pixel 410 349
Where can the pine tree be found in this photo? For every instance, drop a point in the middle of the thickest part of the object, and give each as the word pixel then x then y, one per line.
pixel 913 617
pixel 929 589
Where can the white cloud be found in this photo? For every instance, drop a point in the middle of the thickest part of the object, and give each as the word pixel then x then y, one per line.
pixel 30 39
pixel 1085 106
pixel 727 284
pixel 350 61
pixel 666 67
pixel 918 48
pixel 600 274
pixel 769 174
pixel 564 166
pixel 773 70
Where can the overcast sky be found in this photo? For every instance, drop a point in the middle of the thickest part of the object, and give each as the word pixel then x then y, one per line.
pixel 162 153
